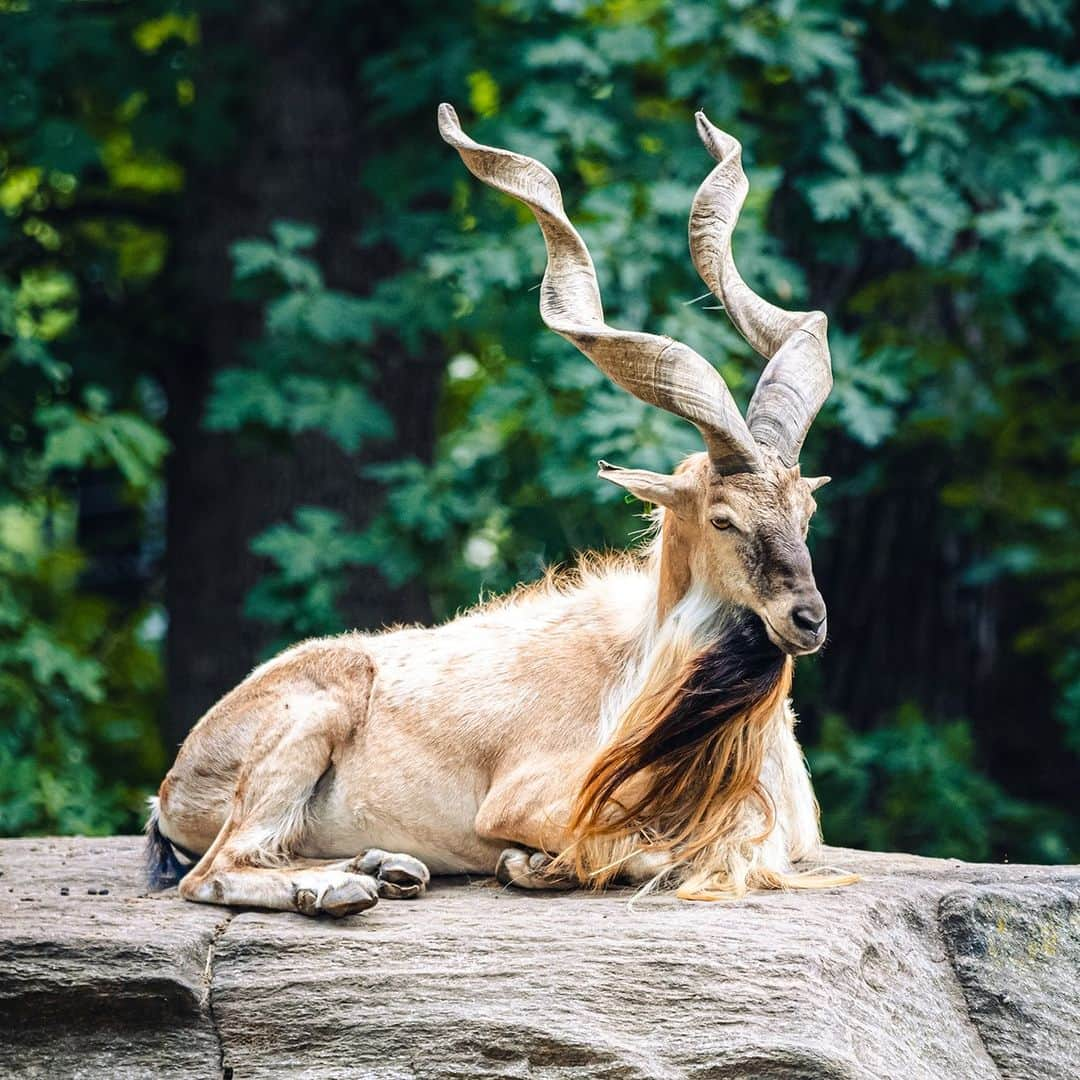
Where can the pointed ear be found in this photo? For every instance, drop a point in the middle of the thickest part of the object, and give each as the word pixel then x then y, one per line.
pixel 816 482
pixel 676 493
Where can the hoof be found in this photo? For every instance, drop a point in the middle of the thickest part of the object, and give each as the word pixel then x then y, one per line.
pixel 390 890
pixel 350 898
pixel 519 868
pixel 345 894
pixel 512 867
pixel 398 877
pixel 307 901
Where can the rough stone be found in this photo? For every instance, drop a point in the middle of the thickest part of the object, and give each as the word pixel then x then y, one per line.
pixel 925 969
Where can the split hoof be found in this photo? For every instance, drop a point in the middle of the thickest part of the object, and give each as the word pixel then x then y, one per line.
pixel 348 895
pixel 512 867
pixel 398 877
pixel 350 898
pixel 527 871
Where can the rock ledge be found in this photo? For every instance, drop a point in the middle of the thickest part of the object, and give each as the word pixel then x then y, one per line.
pixel 926 969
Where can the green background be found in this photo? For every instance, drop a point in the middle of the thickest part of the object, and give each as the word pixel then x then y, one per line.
pixel 271 363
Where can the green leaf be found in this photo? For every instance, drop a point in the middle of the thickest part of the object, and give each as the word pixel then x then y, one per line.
pixel 77 439
pixel 296 403
pixel 253 257
pixel 294 235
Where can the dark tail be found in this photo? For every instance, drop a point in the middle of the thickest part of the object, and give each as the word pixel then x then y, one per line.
pixel 163 868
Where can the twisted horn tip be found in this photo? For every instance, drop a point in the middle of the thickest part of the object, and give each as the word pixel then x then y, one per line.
pixel 719 143
pixel 449 124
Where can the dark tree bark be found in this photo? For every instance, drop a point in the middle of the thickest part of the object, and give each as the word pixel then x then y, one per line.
pixel 298 151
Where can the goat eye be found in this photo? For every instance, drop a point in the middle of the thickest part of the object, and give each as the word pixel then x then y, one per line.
pixel 721 523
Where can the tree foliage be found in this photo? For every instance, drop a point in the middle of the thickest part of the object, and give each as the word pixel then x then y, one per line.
pixel 914 172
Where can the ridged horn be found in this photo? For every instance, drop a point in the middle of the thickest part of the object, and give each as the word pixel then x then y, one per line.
pixel 798 376
pixel 658 370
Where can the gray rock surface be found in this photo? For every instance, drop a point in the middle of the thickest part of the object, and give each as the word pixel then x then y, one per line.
pixel 926 969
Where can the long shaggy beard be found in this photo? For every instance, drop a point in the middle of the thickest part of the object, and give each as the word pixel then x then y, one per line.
pixel 681 776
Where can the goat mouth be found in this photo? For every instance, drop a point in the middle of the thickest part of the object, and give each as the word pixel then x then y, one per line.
pixel 787 645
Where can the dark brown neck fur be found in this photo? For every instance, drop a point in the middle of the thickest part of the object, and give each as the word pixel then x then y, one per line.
pixel 691 753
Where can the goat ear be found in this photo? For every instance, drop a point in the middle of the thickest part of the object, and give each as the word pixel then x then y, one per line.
pixel 675 493
pixel 816 482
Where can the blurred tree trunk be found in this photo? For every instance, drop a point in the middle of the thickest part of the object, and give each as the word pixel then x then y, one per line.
pixel 906 625
pixel 298 151
pixel 906 628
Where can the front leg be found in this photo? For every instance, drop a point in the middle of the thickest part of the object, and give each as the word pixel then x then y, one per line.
pixel 526 809
pixel 529 808
pixel 533 871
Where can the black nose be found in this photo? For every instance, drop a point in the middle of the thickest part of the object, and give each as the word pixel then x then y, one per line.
pixel 809 617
